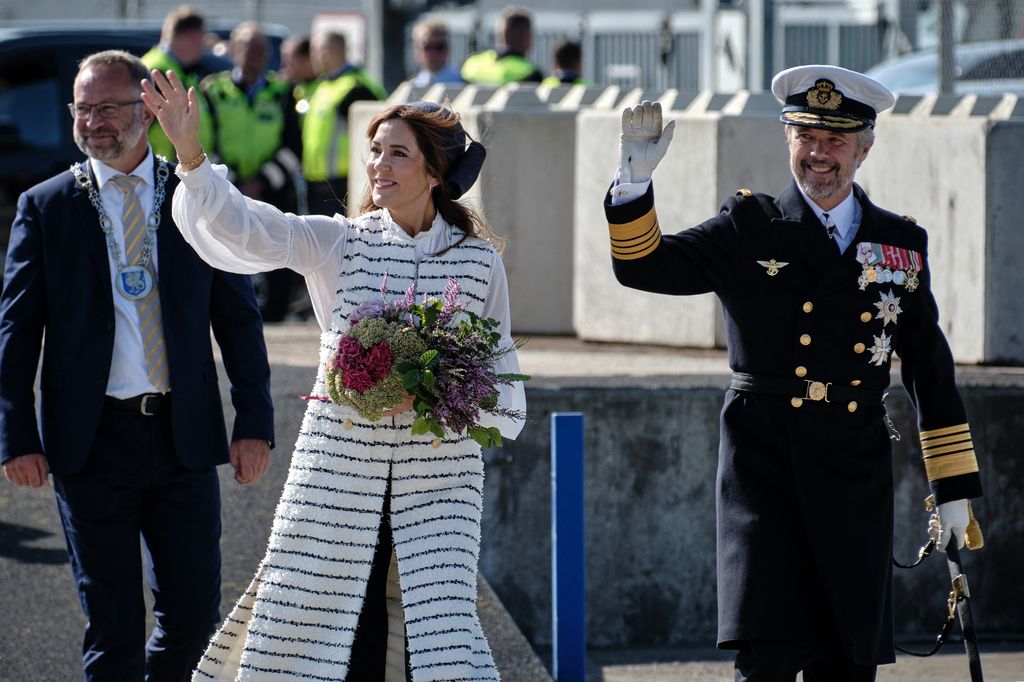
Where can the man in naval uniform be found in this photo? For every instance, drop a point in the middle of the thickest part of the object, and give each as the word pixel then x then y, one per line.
pixel 819 287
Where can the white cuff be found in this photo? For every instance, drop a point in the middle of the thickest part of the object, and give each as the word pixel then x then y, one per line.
pixel 625 192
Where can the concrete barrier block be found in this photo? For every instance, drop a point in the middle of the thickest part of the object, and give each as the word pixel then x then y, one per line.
pixel 710 158
pixel 526 189
pixel 603 309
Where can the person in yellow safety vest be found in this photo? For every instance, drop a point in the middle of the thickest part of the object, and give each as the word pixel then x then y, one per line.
pixel 182 42
pixel 568 65
pixel 258 139
pixel 297 69
pixel 325 137
pixel 508 63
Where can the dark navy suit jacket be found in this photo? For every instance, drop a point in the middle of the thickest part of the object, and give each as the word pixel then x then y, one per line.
pixel 57 282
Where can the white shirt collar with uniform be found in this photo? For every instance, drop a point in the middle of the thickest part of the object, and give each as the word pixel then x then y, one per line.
pixel 128 364
pixel 846 217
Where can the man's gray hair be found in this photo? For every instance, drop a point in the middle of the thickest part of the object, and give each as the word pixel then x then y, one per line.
pixel 865 137
pixel 137 71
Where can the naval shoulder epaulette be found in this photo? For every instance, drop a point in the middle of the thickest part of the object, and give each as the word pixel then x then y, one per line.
pixel 744 192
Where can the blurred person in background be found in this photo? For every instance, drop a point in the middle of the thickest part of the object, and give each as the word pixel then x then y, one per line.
pixel 297 69
pixel 181 48
pixel 257 137
pixel 431 46
pixel 568 65
pixel 325 138
pixel 508 63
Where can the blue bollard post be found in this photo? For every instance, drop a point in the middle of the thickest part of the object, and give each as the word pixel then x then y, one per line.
pixel 568 576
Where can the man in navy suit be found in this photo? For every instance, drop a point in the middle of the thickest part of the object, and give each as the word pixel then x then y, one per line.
pixel 130 423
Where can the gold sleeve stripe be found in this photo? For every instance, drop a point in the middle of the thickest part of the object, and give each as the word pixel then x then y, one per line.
pixel 950 465
pixel 935 433
pixel 637 247
pixel 634 228
pixel 946 440
pixel 946 449
pixel 639 251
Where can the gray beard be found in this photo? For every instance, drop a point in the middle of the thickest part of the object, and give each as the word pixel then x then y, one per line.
pixel 125 141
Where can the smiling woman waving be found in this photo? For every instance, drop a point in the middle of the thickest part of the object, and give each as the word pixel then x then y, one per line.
pixel 372 560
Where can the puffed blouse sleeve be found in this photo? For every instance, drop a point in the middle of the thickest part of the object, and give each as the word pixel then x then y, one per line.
pixel 234 233
pixel 510 397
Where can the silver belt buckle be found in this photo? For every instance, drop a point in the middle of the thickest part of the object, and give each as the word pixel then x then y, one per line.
pixel 144 404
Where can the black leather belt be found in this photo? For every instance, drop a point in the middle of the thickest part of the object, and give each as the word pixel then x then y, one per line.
pixel 147 404
pixel 804 389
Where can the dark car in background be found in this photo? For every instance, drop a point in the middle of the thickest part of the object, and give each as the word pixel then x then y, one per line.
pixel 38 63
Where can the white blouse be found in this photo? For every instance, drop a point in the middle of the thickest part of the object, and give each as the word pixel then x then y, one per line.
pixel 236 234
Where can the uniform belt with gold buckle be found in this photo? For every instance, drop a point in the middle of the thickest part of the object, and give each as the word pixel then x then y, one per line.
pixel 806 389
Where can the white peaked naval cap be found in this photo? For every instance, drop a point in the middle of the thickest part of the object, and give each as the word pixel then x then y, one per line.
pixel 830 97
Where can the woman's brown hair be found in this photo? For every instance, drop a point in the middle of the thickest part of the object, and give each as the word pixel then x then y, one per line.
pixel 441 139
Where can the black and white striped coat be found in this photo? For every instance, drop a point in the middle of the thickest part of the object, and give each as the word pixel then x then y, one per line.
pixel 298 617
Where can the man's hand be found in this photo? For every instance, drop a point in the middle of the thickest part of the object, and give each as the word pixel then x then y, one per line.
pixel 953 520
pixel 27 470
pixel 250 458
pixel 643 142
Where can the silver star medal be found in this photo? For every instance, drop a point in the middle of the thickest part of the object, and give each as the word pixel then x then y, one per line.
pixel 880 351
pixel 888 308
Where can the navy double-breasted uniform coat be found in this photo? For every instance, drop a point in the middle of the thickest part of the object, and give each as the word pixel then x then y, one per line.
pixel 805 490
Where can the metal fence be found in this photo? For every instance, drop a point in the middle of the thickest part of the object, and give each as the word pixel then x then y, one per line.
pixel 714 47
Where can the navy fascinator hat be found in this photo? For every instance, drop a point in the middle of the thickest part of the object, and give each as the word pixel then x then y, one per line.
pixel 464 163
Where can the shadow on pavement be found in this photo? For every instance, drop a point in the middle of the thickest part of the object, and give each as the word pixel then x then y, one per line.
pixel 15 544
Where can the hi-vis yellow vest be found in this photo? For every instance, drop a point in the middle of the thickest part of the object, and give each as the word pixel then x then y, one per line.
pixel 484 68
pixel 159 59
pixel 324 133
pixel 248 135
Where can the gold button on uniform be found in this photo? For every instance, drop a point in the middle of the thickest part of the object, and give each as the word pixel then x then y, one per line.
pixel 801 371
pixel 855 382
pixel 796 402
pixel 865 317
pixel 808 306
pixel 348 424
pixel 805 340
pixel 852 407
pixel 858 348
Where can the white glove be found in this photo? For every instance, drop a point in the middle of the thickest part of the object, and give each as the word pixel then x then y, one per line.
pixel 642 143
pixel 953 518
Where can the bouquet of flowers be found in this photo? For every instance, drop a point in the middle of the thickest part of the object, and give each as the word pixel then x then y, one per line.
pixel 436 351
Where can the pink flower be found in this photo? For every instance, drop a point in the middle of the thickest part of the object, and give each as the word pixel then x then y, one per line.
pixel 378 360
pixel 358 379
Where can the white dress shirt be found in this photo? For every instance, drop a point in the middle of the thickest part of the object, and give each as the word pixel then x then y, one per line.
pixel 846 217
pixel 128 364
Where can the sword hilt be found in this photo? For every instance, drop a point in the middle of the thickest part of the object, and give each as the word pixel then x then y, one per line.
pixel 973 537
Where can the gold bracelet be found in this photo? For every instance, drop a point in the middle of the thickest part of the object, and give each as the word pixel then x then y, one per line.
pixel 194 163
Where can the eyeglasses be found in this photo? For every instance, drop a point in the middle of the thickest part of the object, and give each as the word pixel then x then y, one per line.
pixel 104 109
pixel 435 47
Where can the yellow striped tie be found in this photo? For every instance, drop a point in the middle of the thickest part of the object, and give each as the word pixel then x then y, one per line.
pixel 150 319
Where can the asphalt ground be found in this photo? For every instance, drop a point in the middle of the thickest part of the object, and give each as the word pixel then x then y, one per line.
pixel 41 621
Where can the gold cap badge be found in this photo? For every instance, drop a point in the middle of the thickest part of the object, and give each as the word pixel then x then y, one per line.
pixel 824 96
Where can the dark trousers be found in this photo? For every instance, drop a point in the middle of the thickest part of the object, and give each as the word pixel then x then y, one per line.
pixel 132 486
pixel 327 197
pixel 369 650
pixel 780 661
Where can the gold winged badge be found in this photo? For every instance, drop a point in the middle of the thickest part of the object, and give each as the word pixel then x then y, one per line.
pixel 772 265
